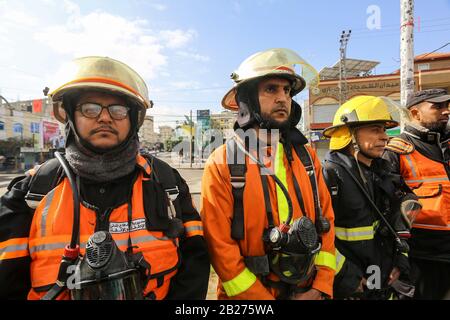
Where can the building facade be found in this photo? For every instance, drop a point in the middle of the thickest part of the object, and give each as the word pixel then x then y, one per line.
pixel 147 135
pixel 31 126
pixel 224 121
pixel 165 133
pixel 431 71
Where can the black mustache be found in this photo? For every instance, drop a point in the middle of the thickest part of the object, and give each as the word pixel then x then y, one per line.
pixel 96 130
pixel 281 108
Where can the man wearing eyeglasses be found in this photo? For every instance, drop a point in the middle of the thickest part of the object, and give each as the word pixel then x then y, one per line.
pixel 421 155
pixel 140 202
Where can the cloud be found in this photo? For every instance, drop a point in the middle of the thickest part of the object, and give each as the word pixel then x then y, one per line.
pixel 177 38
pixel 15 18
pixel 62 30
pixel 102 33
pixel 193 56
pixel 158 6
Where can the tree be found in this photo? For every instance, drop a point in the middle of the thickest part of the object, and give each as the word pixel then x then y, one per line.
pixel 10 147
pixel 170 143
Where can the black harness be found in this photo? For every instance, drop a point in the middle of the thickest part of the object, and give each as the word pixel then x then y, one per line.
pixel 238 181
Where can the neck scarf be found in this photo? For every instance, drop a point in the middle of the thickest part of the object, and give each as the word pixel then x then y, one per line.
pixel 102 167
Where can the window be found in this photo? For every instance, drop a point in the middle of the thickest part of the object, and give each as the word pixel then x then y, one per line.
pixel 2 126
pixel 17 128
pixel 423 66
pixel 34 127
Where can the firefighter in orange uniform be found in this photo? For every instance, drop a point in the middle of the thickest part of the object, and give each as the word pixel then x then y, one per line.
pixel 101 221
pixel 266 210
pixel 421 155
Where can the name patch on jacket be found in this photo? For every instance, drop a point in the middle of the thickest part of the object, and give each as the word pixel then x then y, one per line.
pixel 122 227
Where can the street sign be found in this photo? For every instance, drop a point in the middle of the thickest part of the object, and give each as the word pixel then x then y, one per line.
pixel 317 136
pixel 203 114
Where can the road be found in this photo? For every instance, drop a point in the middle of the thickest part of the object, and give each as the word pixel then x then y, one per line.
pixel 193 179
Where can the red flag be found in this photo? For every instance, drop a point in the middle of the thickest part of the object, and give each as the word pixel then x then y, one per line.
pixel 37 106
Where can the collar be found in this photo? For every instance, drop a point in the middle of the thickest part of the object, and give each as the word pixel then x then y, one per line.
pixel 425 135
pixel 142 163
pixel 379 165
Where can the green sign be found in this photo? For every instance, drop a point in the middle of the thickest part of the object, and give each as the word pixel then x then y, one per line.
pixel 393 132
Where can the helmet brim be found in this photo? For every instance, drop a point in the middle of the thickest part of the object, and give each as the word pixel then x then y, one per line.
pixel 229 100
pixel 104 87
pixel 389 124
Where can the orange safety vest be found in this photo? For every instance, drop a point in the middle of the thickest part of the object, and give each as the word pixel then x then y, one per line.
pixel 429 181
pixel 52 227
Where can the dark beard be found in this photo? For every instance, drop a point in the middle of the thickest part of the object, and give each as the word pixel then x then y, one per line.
pixel 273 124
pixel 439 127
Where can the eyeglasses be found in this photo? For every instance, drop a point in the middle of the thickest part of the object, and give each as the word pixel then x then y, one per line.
pixel 93 110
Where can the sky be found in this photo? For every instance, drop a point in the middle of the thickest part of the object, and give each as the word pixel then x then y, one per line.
pixel 187 49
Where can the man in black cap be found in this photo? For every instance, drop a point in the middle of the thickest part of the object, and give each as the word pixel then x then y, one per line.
pixel 421 155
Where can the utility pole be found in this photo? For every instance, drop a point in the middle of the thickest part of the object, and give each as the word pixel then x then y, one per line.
pixel 406 52
pixel 190 139
pixel 345 36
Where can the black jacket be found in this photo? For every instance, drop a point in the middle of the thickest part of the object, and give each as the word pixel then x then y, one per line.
pixel 426 244
pixel 191 281
pixel 370 244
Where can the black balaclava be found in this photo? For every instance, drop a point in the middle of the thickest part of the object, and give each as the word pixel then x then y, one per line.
pixel 96 164
pixel 247 98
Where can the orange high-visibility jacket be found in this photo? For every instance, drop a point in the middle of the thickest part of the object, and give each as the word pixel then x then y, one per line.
pixel 51 230
pixel 227 254
pixel 429 181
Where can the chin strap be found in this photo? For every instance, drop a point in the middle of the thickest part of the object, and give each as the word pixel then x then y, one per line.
pixel 357 152
pixel 262 123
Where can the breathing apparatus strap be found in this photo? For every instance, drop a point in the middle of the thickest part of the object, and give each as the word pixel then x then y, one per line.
pixel 46 178
pixel 268 205
pixel 307 162
pixel 299 195
pixel 71 252
pixel 129 213
pixel 237 167
pixel 237 174
pixel 163 174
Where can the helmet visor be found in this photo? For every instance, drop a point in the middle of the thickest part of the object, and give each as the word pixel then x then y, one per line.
pixel 126 288
pixel 275 61
pixel 292 268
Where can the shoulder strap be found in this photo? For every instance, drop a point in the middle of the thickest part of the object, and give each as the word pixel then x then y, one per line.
pixel 332 180
pixel 400 146
pixel 47 177
pixel 237 167
pixel 322 223
pixel 306 160
pixel 163 174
